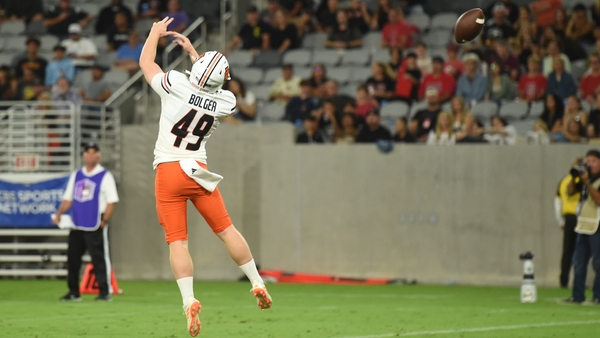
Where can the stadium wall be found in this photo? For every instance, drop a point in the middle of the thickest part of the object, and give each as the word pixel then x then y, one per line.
pixel 436 214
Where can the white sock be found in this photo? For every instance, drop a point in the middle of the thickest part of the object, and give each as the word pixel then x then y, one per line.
pixel 186 287
pixel 252 273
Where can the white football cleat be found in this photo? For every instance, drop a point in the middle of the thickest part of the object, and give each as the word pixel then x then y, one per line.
pixel 262 297
pixel 192 314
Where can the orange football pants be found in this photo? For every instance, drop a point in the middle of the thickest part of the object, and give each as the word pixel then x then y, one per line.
pixel 172 189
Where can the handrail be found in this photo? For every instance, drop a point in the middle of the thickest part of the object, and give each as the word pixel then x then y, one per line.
pixel 124 87
pixel 186 32
pixel 225 18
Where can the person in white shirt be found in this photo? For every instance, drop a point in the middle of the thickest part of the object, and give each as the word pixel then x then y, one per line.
pixel 82 51
pixel 501 132
pixel 443 135
pixel 192 108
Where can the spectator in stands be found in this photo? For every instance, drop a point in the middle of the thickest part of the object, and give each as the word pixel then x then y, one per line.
pixel 524 45
pixel 380 85
pixel 24 10
pixel 106 18
pixel 343 36
pixel 32 60
pixel 402 134
pixel 571 133
pixel 545 11
pixel 311 132
pixel 28 86
pixel 462 119
pixel 560 82
pixel 245 109
pixel 327 16
pixel 499 86
pixel 472 84
pixel 180 18
pixel 151 9
pixel 98 89
pixel 476 135
pixel 59 66
pixel 359 15
pixel 300 107
pixel 373 130
pixel 128 55
pixel 364 103
pixel 268 14
pixel 286 86
pixel 318 79
pixel 511 8
pixel 453 65
pixel 397 32
pixel 348 131
pixel 595 10
pixel 327 115
pixel 63 91
pixel 332 93
pixel 553 113
pixel 573 111
pixel 590 83
pixel 59 19
pixel 118 33
pixel 501 133
pixel 7 84
pixel 500 28
pixel 393 66
pixel 508 61
pixel 408 79
pixel 444 84
pixel 284 34
pixel 294 7
pixel 525 21
pixel 82 51
pixel 380 18
pixel 554 52
pixel 254 35
pixel 532 85
pixel 580 27
pixel 424 62
pixel 443 135
pixel 425 120
pixel 593 128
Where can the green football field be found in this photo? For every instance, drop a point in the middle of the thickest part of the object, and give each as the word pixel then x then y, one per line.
pixel 153 309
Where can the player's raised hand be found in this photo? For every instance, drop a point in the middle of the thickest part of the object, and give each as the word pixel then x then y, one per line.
pixel 182 40
pixel 160 27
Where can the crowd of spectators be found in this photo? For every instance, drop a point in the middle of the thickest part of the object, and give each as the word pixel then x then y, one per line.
pixel 525 53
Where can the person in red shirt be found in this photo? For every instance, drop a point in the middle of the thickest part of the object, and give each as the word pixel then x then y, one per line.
pixel 532 85
pixel 545 11
pixel 589 84
pixel 444 83
pixel 453 65
pixel 397 32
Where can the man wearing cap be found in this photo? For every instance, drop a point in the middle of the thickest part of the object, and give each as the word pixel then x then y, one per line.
pixel 91 195
pixel 499 27
pixel 444 83
pixel 511 8
pixel 59 18
pixel 373 131
pixel 32 60
pixel 588 238
pixel 59 66
pixel 254 35
pixel 81 50
pixel 425 120
pixel 472 85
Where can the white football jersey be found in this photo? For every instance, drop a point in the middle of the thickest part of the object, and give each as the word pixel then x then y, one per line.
pixel 188 117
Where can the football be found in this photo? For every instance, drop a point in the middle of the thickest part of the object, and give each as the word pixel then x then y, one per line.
pixel 469 25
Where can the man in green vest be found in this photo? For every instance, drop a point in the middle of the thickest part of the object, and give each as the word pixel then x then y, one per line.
pixel 588 238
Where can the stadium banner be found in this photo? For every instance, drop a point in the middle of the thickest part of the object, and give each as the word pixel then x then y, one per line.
pixel 29 205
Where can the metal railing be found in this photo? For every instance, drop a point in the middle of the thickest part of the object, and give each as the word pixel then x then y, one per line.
pixel 228 22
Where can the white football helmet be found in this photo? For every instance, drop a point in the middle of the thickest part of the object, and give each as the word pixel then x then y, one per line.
pixel 210 71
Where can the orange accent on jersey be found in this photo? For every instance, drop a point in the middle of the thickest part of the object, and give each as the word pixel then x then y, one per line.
pixel 212 65
pixel 165 82
pixel 172 189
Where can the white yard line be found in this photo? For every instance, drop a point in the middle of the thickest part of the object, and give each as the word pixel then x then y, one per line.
pixel 480 329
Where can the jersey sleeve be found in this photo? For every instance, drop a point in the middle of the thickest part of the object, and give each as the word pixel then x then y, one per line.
pixel 68 194
pixel 227 104
pixel 160 85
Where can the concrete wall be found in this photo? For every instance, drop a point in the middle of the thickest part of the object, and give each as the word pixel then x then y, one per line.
pixel 437 214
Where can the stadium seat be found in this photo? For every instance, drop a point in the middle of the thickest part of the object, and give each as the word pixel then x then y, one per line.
pixel 437 38
pixel 447 107
pixel 586 106
pixel 314 41
pixel 327 57
pixel 6 58
pixel 143 26
pixel 116 77
pixel 35 28
pixel 303 72
pixel 523 127
pixel 261 92
pixel 15 43
pixel 1 43
pixel 485 110
pixel 349 90
pixel 371 41
pixel 439 52
pixel 271 75
pixel 250 76
pixel 394 110
pixel 340 74
pixel 48 42
pixel 421 20
pixel 416 106
pixel 101 43
pixel 578 68
pixel 12 28
pixel 360 75
pixel 514 110
pixel 108 59
pixel 356 57
pixel 536 110
pixel 82 79
pixel 444 21
pixel 240 58
pixel 267 59
pixel 298 57
pixel 271 112
pixel 92 8
pixel 382 55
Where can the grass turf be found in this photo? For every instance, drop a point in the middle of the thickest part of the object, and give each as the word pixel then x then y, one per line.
pixel 153 309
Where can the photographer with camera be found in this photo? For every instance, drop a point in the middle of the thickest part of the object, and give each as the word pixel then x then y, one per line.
pixel 565 207
pixel 588 239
